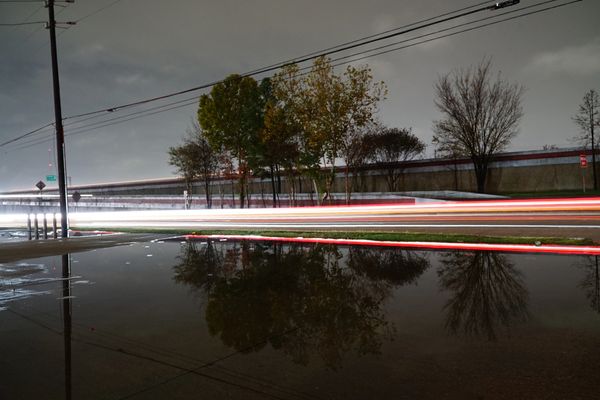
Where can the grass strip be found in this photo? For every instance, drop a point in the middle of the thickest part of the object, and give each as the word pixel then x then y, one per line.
pixel 553 194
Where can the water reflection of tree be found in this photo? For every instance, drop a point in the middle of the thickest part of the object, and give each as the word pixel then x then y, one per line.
pixel 304 300
pixel 487 293
pixel 394 266
pixel 199 265
pixel 591 282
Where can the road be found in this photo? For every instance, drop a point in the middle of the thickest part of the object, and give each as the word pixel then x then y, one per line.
pixel 558 217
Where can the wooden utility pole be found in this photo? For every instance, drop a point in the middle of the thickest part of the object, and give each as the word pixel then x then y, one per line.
pixel 60 134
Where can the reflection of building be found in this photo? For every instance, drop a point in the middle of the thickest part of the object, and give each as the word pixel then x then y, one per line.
pixel 487 293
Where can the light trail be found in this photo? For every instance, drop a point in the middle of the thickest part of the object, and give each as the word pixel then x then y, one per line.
pixel 586 210
pixel 36 196
pixel 550 217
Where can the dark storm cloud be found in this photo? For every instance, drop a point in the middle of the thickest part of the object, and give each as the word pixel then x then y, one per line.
pixel 137 49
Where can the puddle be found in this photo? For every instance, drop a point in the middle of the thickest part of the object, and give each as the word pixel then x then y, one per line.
pixel 298 321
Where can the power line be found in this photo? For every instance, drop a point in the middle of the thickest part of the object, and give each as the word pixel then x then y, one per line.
pixel 23 23
pixel 193 100
pixel 372 36
pixel 26 134
pixel 378 48
pixel 270 68
pixel 449 29
pixel 33 13
pixel 39 28
pixel 261 70
pixel 455 33
pixel 98 10
pixel 190 101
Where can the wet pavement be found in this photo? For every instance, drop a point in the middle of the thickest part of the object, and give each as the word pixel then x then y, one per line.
pixel 243 320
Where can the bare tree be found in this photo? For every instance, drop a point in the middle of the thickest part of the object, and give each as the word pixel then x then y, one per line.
pixel 481 117
pixel 183 158
pixel 355 150
pixel 195 160
pixel 588 118
pixel 453 154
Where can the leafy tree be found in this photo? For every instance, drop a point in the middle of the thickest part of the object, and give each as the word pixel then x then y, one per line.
pixel 195 160
pixel 356 150
pixel 481 117
pixel 278 140
pixel 327 107
pixel 231 117
pixel 391 149
pixel 285 115
pixel 587 119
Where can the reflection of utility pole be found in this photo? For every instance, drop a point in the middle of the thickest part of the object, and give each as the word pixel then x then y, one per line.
pixel 67 323
pixel 60 134
pixel 596 295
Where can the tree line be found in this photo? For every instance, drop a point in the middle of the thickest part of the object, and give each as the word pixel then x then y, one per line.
pixel 297 124
pixel 311 125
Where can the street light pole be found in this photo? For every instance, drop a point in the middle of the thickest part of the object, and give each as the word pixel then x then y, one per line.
pixel 60 134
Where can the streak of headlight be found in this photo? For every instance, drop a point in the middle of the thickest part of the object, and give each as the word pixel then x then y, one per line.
pixel 13 220
pixel 203 217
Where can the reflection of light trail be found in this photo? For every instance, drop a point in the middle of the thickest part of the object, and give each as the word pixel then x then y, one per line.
pixel 518 248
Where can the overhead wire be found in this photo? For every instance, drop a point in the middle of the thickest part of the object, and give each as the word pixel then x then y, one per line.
pixel 393 44
pixel 292 60
pixel 34 141
pixel 368 53
pixel 353 42
pixel 22 23
pixel 26 134
pixel 453 33
pixel 33 13
pixel 97 11
pixel 274 67
pixel 191 101
pixel 336 48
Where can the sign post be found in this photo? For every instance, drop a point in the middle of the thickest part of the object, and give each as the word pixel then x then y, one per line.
pixel 583 164
pixel 40 185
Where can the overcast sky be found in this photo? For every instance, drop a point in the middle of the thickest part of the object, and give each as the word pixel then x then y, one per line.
pixel 135 49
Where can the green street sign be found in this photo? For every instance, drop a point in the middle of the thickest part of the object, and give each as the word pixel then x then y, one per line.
pixel 50 178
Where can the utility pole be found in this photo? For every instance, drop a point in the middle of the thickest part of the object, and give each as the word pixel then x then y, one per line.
pixel 60 133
